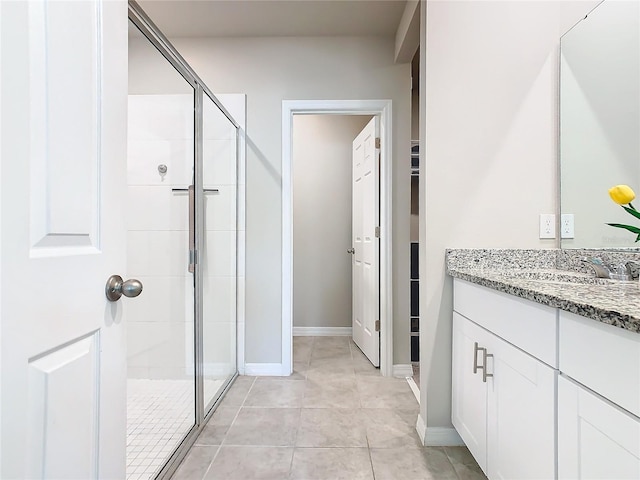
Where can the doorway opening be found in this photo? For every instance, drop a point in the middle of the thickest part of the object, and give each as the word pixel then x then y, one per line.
pixel 367 108
pixel 323 246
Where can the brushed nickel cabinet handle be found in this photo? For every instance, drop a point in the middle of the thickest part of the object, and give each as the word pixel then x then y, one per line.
pixel 476 348
pixel 485 375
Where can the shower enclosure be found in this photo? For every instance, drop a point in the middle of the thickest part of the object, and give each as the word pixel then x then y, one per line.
pixel 182 234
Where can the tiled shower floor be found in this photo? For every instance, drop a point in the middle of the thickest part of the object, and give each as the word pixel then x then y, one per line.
pixel 159 415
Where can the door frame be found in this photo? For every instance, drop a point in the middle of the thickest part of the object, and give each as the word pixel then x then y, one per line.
pixel 383 109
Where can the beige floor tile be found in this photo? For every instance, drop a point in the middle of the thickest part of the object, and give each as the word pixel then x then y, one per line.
pixel 331 464
pixel 212 434
pixel 465 465
pixel 302 352
pixel 275 392
pixel 410 463
pixel 361 364
pixel 338 352
pixel 245 463
pixel 224 414
pixel 335 418
pixel 195 464
pixel 238 391
pixel 391 428
pixel 331 366
pixel 330 392
pixel 218 425
pixel 332 341
pixel 384 392
pixel 301 341
pixel 331 427
pixel 300 370
pixel 264 426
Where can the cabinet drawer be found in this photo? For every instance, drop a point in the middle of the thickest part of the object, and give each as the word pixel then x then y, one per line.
pixel 602 357
pixel 527 325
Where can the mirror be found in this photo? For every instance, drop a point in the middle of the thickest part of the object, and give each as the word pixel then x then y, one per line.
pixel 600 123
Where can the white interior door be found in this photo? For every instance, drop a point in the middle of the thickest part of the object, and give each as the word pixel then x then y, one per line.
pixel 63 69
pixel 366 257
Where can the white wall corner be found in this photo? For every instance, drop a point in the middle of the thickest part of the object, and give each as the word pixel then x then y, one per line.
pixel 402 371
pixel 322 331
pixel 266 370
pixel 408 32
pixel 437 436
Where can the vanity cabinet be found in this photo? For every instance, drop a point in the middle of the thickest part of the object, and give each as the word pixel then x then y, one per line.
pixel 596 438
pixel 503 403
pixel 541 393
pixel 598 400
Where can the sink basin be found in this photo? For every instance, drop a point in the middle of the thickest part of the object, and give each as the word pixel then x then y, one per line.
pixel 556 276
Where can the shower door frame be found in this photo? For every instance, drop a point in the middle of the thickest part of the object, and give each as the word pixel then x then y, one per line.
pixel 146 26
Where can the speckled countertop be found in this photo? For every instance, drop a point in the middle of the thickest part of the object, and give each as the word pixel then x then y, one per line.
pixel 532 275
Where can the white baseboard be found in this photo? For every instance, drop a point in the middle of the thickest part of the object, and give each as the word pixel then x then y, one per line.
pixel 438 436
pixel 421 428
pixel 402 371
pixel 322 331
pixel 265 370
pixel 414 388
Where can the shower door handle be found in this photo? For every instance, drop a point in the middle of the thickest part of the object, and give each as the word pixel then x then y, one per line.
pixel 192 229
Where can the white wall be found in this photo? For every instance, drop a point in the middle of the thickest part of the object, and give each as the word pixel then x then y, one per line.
pixel 488 168
pixel 270 70
pixel 322 178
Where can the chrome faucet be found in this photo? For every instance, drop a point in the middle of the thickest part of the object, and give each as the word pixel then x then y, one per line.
pixel 614 272
pixel 599 269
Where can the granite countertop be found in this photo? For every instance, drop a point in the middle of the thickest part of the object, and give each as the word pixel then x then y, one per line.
pixel 608 301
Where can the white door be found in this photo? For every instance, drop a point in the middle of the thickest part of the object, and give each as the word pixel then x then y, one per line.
pixel 366 281
pixel 63 70
pixel 596 439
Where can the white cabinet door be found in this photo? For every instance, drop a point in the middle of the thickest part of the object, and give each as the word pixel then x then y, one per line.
pixel 469 392
pixel 596 439
pixel 521 415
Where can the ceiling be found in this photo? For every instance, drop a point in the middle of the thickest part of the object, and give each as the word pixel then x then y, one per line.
pixel 265 18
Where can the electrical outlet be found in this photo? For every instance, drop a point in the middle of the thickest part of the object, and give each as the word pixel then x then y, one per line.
pixel 547 225
pixel 566 225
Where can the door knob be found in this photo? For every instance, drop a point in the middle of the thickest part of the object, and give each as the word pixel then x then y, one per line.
pixel 116 287
pixel 351 250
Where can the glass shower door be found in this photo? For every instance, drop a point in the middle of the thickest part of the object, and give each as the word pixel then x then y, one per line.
pixel 219 255
pixel 160 326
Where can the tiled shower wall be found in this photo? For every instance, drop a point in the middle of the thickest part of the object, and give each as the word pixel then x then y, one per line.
pixel 160 322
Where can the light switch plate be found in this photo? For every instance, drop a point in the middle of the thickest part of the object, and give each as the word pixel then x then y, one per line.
pixel 547 225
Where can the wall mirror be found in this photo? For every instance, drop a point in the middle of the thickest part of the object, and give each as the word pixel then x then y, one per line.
pixel 600 123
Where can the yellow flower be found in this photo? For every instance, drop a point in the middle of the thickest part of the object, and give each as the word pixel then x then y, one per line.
pixel 622 194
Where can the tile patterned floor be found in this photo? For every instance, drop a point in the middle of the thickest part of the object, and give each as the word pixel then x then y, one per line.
pixel 334 418
pixel 159 415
